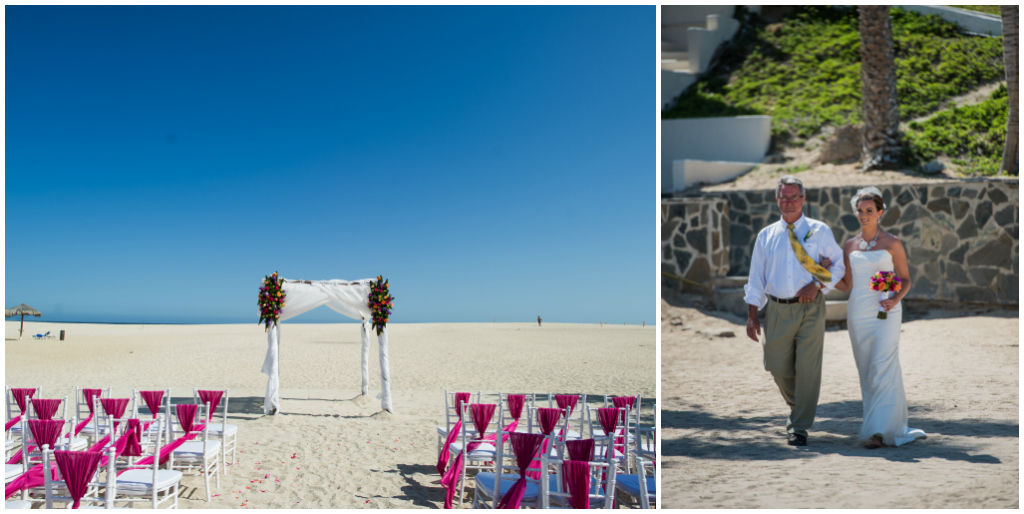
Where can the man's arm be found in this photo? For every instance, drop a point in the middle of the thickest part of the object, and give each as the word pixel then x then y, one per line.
pixel 835 254
pixel 755 289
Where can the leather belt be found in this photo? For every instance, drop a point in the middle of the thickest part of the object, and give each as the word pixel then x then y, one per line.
pixel 784 301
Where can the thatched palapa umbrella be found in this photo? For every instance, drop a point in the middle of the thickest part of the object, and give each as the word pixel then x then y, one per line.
pixel 21 310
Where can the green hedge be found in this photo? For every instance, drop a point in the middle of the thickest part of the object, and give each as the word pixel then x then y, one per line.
pixel 973 135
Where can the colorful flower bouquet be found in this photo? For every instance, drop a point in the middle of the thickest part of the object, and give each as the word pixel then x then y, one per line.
pixel 887 283
pixel 380 303
pixel 271 300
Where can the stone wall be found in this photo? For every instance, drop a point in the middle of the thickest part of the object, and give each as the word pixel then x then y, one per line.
pixel 694 239
pixel 961 236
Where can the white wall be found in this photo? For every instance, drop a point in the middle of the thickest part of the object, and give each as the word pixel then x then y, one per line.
pixel 673 83
pixel 742 139
pixel 686 173
pixel 692 14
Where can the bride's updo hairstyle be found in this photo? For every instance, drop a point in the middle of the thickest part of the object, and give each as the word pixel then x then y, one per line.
pixel 868 193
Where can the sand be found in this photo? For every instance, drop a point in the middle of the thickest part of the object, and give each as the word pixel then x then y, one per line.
pixel 330 448
pixel 723 420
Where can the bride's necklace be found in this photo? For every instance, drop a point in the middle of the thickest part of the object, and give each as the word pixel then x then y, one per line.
pixel 864 245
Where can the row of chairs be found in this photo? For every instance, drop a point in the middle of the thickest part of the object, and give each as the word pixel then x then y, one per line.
pixel 195 443
pixel 622 447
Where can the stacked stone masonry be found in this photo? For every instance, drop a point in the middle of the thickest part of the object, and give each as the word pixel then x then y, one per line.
pixel 961 236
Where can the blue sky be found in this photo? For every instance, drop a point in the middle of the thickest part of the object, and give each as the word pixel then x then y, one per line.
pixel 492 162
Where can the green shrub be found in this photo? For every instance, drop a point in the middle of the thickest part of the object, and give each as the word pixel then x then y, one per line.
pixel 972 136
pixel 805 71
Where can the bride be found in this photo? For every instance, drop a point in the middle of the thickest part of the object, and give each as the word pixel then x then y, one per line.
pixel 876 341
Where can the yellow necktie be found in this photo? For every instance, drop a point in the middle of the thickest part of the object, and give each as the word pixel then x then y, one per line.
pixel 806 261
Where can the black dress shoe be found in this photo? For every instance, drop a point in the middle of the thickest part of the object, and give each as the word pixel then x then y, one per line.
pixel 797 440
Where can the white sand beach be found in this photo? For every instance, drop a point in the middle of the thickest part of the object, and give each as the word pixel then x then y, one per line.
pixel 328 448
pixel 723 419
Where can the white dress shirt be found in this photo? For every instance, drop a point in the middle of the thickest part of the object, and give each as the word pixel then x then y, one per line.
pixel 774 268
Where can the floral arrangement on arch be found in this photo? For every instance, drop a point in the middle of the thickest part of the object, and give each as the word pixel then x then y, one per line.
pixel 271 300
pixel 380 303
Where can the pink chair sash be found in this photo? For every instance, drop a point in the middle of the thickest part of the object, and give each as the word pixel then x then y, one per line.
pixel 515 405
pixel 580 449
pixel 525 447
pixel 567 401
pixel 548 418
pixel 460 398
pixel 43 432
pixel 88 395
pixel 481 414
pixel 129 444
pixel 212 398
pixel 186 415
pixel 623 401
pixel 20 393
pixel 608 417
pixel 442 458
pixel 576 480
pixel 45 409
pixel 152 399
pixel 76 468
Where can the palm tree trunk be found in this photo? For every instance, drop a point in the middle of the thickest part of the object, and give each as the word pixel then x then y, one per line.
pixel 1011 158
pixel 881 143
pixel 22 329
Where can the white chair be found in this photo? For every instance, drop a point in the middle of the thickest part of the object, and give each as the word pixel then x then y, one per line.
pixel 577 420
pixel 228 434
pixel 17 404
pixel 491 487
pixel 164 408
pixel 73 443
pixel 621 430
pixel 32 450
pixel 639 488
pixel 482 456
pixel 146 482
pixel 601 492
pixel 56 490
pixel 201 453
pixel 84 409
pixel 451 415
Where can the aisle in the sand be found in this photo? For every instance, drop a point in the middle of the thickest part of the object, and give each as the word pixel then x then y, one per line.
pixel 367 300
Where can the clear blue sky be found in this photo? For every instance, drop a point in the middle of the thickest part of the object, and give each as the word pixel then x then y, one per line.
pixel 492 162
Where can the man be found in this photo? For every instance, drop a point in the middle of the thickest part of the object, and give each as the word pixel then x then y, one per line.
pixel 785 276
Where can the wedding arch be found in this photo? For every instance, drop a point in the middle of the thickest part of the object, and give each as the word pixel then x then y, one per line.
pixel 350 299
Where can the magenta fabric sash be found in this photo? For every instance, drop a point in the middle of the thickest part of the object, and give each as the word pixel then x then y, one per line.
pixel 442 458
pixel 128 444
pixel 45 409
pixel 580 449
pixel 515 405
pixel 525 447
pixel 608 417
pixel 212 398
pixel 481 414
pixel 44 431
pixel 19 394
pixel 567 401
pixel 114 407
pixel 576 481
pixel 186 415
pixel 623 401
pixel 76 468
pixel 89 394
pixel 32 478
pixel 460 398
pixel 152 399
pixel 547 418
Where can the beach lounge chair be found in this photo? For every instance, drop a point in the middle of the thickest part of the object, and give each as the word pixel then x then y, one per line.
pixel 42 336
pixel 228 434
pixel 201 453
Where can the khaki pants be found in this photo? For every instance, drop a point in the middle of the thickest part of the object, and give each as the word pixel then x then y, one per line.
pixel 794 337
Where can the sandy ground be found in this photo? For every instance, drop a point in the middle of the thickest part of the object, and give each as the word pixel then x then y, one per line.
pixel 723 419
pixel 329 448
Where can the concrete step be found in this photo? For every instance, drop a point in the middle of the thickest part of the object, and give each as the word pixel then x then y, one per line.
pixel 675 65
pixel 668 46
pixel 675 56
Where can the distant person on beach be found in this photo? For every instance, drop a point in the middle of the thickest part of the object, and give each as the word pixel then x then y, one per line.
pixel 538 321
pixel 876 337
pixel 785 276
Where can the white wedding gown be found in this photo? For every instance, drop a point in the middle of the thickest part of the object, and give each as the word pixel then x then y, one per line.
pixel 876 349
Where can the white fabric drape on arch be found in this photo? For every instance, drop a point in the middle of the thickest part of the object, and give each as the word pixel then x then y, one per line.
pixel 344 297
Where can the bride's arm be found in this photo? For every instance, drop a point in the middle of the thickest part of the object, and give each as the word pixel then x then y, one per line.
pixel 846 283
pixel 899 263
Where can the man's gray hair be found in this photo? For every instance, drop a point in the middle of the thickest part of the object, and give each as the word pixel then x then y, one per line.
pixel 789 180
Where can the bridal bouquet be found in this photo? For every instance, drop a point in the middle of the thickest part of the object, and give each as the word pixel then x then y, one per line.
pixel 271 300
pixel 887 283
pixel 380 303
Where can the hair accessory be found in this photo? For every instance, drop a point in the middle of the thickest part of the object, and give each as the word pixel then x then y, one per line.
pixel 870 189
